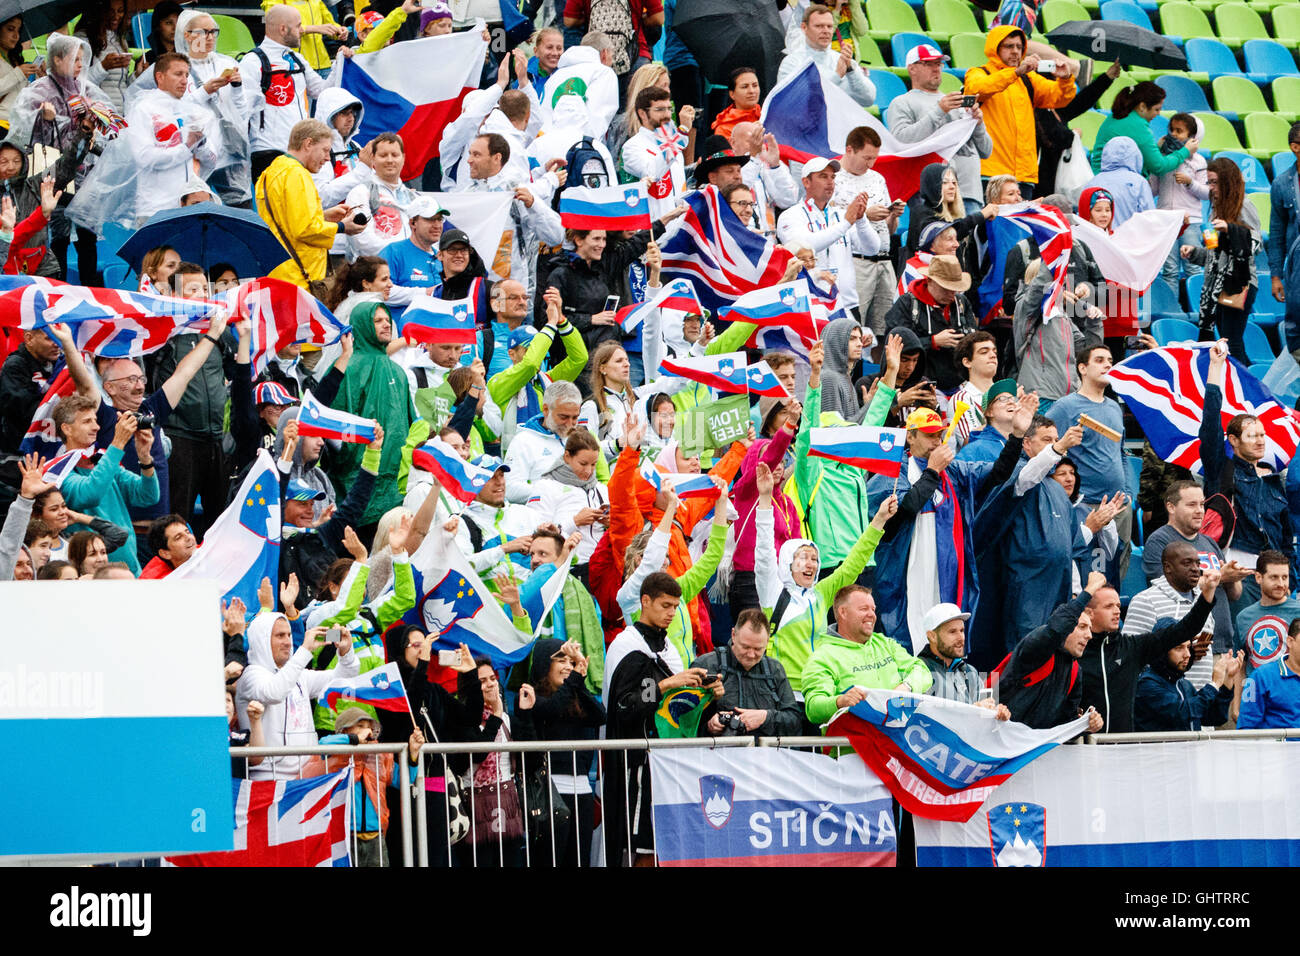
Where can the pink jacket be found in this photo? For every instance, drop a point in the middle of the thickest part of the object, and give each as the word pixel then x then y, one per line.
pixel 745 497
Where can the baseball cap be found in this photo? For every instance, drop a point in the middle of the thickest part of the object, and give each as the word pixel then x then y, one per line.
pixel 298 491
pixel 924 53
pixel 925 420
pixel 520 336
pixel 818 163
pixel 272 393
pixel 491 462
pixel 451 237
pixel 425 208
pixel 1004 386
pixel 941 614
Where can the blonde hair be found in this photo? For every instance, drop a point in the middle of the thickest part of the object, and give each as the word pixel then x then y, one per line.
pixel 387 522
pixel 647 76
pixel 1031 270
pixel 951 209
pixel 636 551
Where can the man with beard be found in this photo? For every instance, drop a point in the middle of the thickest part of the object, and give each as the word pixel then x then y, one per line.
pixel 539 444
pixel 1166 700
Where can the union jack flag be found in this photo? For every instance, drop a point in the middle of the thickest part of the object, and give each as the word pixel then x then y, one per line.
pixel 1048 228
pixel 56 469
pixel 287 823
pixel 281 314
pixel 912 271
pixel 720 256
pixel 1165 388
pixel 41 436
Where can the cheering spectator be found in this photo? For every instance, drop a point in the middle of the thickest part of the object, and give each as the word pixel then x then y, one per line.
pixel 923 110
pixel 413 260
pixel 1009 87
pixel 571 494
pixel 769 180
pixel 1259 626
pixel 1271 696
pixel 88 553
pixel 27 373
pixel 1168 701
pixel 1172 595
pixel 1121 177
pixel 838 67
pixel 977 353
pixel 586 278
pixel 1000 407
pixel 539 444
pixel 172 543
pixel 656 152
pixel 873 273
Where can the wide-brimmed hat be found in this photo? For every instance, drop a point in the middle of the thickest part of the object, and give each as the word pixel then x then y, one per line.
pixel 947 272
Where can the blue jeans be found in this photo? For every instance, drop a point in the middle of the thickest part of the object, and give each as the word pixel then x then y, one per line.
pixel 636 376
pixel 1191 236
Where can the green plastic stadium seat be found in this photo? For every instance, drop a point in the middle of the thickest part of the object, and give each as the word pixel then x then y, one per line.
pixel 944 18
pixel 1237 23
pixel 1286 21
pixel 950 84
pixel 889 17
pixel 967 50
pixel 1181 19
pixel 1219 133
pixel 235 37
pixel 1087 124
pixel 1266 134
pixel 868 53
pixel 1055 12
pixel 1264 206
pixel 1236 94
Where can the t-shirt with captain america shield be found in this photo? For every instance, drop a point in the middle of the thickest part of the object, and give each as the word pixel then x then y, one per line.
pixel 1262 630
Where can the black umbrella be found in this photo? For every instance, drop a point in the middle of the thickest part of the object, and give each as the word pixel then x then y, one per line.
pixel 41 16
pixel 723 35
pixel 1109 40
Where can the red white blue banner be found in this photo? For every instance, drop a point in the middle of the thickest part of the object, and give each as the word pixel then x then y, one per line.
pixel 608 207
pixel 878 450
pixel 769 807
pixel 444 321
pixel 315 418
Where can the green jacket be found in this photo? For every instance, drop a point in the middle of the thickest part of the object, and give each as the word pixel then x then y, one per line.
pixel 732 340
pixel 802 624
pixel 839 664
pixel 681 634
pixel 1154 162
pixel 832 496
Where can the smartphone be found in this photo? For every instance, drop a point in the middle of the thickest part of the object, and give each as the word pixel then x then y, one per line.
pixel 899 204
pixel 448 658
pixel 334 635
pixel 611 303
pixel 969 101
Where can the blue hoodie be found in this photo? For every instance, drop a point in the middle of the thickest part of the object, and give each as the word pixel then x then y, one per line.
pixel 1121 176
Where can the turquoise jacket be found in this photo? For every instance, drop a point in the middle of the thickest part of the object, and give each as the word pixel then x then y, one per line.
pixel 105 491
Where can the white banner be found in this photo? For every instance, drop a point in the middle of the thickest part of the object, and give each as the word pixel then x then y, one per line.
pixel 1195 803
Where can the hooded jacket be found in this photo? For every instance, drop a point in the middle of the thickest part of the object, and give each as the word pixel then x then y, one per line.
pixel 287 195
pixel 343 150
pixel 1009 110
pixel 1168 701
pixel 1121 176
pixel 927 207
pixel 839 663
pixel 1045 348
pixel 32 256
pixel 837 392
pixel 918 310
pixel 286 693
pixel 770 451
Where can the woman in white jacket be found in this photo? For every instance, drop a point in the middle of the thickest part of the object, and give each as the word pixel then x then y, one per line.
pixel 570 495
pixel 14 73
pixel 277 676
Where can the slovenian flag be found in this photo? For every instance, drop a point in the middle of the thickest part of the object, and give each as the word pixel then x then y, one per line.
pixel 678 296
pixel 441 321
pixel 608 207
pixel 811 116
pixel 788 305
pixel 56 469
pixel 380 688
pixel 325 422
pixel 400 93
pixel 462 480
pixel 726 372
pixel 763 381
pixel 878 450
pixel 682 485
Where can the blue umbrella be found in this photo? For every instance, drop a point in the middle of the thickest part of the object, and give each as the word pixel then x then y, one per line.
pixel 207 233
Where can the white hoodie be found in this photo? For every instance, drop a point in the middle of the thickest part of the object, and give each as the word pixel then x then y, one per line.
pixel 286 692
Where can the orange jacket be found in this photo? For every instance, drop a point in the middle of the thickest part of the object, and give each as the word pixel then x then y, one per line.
pixel 1008 111
pixel 374 775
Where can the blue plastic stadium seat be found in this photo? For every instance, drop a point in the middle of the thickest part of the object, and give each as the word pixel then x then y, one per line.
pixel 1260 369
pixel 1183 95
pixel 1167 331
pixel 1212 57
pixel 1252 170
pixel 887 86
pixel 1127 11
pixel 1164 304
pixel 1258 349
pixel 1269 58
pixel 900 43
pixel 1194 285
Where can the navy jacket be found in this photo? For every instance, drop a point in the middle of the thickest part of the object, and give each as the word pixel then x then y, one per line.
pixel 1169 701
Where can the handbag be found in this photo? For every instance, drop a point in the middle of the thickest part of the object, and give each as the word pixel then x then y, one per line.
pixel 1074 170
pixel 497 814
pixel 1236 300
pixel 457 818
pixel 317 287
pixel 546 810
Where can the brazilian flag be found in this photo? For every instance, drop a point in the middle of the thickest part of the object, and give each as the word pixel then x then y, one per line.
pixel 680 711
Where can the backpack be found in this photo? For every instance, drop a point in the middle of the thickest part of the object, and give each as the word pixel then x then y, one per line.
pixel 269 79
pixel 575 161
pixel 614 19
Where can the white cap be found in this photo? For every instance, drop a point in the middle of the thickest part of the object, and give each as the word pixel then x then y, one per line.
pixel 941 614
pixel 924 52
pixel 425 207
pixel 818 163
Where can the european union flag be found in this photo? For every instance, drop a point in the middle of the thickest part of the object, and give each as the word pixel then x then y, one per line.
pixel 1018 834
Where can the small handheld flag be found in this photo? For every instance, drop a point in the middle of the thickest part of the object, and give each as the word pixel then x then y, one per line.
pixel 726 372
pixel 878 450
pixel 462 480
pixel 608 207
pixel 682 485
pixel 440 321
pixel 56 469
pixel 763 381
pixel 678 295
pixel 325 422
pixel 786 304
pixel 380 688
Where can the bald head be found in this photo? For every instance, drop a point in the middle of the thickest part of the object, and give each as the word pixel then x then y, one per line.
pixel 284 25
pixel 747 138
pixel 1181 564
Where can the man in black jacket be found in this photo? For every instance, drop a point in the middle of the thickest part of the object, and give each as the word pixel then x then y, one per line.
pixel 1112 662
pixel 1167 700
pixel 759 699
pixel 1040 681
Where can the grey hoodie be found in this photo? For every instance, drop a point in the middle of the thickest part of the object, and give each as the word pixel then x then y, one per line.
pixel 1121 176
pixel 837 388
pixel 313 476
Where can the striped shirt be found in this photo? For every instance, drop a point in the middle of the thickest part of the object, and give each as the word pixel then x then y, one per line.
pixel 1161 600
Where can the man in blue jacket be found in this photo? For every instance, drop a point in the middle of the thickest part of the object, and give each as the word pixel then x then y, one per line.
pixel 1283 230
pixel 1167 700
pixel 1271 695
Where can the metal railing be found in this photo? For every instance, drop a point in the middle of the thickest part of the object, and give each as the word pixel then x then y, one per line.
pixel 1173 736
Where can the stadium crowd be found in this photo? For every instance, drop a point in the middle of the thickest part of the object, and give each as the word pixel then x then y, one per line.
pixel 1015 548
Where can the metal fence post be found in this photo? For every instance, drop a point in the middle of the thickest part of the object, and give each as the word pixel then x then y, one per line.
pixel 421 816
pixel 405 795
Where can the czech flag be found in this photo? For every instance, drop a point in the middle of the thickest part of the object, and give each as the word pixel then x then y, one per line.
pixel 442 321
pixel 325 422
pixel 726 372
pixel 682 485
pixel 678 296
pixel 763 381
pixel 462 480
pixel 810 117
pixel 380 688
pixel 788 304
pixel 609 207
pixel 878 450
pixel 400 90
